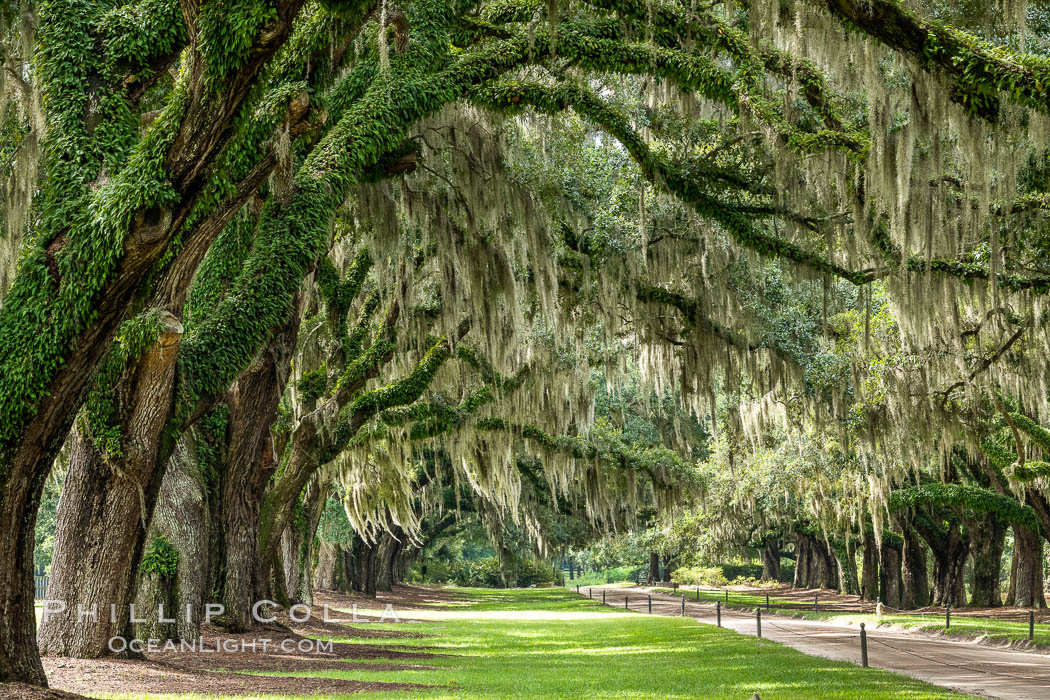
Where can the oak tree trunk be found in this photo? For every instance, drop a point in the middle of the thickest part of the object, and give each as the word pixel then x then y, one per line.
pixel 916 579
pixel 986 551
pixel 1026 581
pixel 104 512
pixel 771 559
pixel 182 518
pixel 869 582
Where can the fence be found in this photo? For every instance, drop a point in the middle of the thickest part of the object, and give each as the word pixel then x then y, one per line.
pixel 978 624
pixel 41 586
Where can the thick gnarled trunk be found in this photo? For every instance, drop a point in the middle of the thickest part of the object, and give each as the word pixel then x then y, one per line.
pixel 949 563
pixel 890 582
pixel 297 544
pixel 1026 576
pixel 181 518
pixel 106 505
pixel 916 578
pixel 986 550
pixel 252 459
pixel 815 567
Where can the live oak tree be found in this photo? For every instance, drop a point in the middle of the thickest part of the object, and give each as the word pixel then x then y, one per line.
pixel 152 129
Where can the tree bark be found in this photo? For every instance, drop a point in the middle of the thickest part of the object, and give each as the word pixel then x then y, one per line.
pixel 771 559
pixel 889 575
pixel 815 567
pixel 986 552
pixel 393 545
pixel 182 518
pixel 297 545
pixel 105 509
pixel 846 559
pixel 890 582
pixel 869 582
pixel 324 573
pixel 949 562
pixel 252 403
pixel 362 563
pixel 916 579
pixel 802 561
pixel 1026 580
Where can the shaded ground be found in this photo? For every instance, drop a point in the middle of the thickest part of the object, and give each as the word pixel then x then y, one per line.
pixel 287 648
pixel 17 691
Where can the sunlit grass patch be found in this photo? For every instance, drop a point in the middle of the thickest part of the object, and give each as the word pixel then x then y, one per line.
pixel 515 646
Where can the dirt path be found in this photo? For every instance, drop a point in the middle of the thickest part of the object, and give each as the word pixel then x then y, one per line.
pixel 963 666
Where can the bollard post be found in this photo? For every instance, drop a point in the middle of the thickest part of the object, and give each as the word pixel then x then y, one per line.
pixel 863 646
pixel 577 588
pixel 590 593
pixel 948 616
pixel 816 602
pixel 683 605
pixel 650 605
pixel 758 622
pixel 603 597
pixel 727 596
pixel 625 603
pixel 1031 625
pixel 718 612
pixel 698 592
pixel 767 601
pixel 675 586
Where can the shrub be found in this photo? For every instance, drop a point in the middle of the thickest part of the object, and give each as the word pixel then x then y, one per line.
pixel 486 573
pixel 735 571
pixel 483 573
pixel 699 576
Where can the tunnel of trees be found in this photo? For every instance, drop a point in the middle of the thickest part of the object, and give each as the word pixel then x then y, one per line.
pixel 291 291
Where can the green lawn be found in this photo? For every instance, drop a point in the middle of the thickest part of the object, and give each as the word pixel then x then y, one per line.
pixel 960 625
pixel 549 643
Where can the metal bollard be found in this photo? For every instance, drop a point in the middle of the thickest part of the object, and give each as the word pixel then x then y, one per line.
pixel 758 622
pixel 650 605
pixel 683 605
pixel 816 603
pixel 603 597
pixel 698 592
pixel 590 593
pixel 625 603
pixel 1031 625
pixel 948 616
pixel 767 601
pixel 577 588
pixel 675 586
pixel 718 612
pixel 727 596
pixel 863 646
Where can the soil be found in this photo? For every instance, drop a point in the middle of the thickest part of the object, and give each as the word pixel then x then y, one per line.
pixel 19 691
pixel 178 670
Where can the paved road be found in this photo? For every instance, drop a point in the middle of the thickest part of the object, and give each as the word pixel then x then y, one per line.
pixel 961 666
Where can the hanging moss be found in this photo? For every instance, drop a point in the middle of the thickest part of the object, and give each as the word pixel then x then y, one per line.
pixel 973 498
